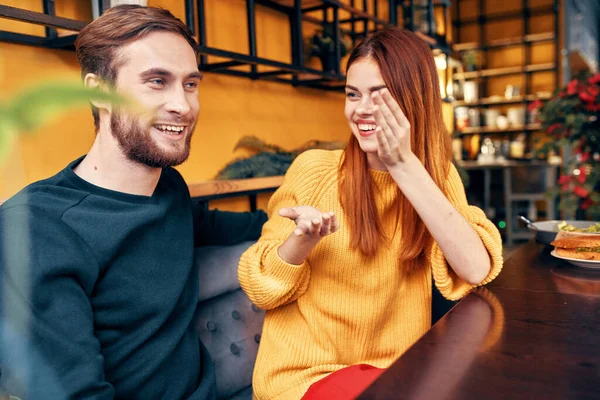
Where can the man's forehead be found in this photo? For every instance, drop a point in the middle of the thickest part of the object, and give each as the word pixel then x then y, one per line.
pixel 159 50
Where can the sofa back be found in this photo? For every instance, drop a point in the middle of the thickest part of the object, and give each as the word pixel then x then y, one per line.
pixel 227 322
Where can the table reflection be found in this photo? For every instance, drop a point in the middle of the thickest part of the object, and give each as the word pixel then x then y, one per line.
pixel 475 325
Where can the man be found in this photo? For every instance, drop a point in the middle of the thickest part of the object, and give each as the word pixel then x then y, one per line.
pixel 97 282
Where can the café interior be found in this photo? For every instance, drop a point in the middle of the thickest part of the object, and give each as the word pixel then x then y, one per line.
pixel 520 87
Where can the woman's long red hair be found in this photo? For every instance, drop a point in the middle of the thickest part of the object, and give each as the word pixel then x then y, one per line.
pixel 408 69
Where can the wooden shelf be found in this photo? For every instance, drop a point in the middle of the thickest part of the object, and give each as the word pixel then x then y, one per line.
pixel 505 15
pixel 500 101
pixel 506 42
pixel 234 186
pixel 512 129
pixel 506 71
pixel 473 164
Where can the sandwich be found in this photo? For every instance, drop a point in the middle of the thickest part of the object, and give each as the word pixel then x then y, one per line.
pixel 577 245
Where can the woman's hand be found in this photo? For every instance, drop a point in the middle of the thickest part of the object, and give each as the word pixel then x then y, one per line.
pixel 393 130
pixel 310 221
pixel 311 226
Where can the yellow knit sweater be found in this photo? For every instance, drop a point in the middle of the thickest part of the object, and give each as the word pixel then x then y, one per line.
pixel 339 308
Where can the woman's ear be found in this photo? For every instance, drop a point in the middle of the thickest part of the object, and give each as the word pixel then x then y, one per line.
pixel 93 81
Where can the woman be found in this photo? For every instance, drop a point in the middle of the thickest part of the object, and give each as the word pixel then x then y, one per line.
pixel 342 305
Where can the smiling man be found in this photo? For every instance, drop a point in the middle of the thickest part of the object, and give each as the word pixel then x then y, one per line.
pixel 98 285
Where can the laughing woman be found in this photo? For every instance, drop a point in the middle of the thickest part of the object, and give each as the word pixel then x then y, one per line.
pixel 345 263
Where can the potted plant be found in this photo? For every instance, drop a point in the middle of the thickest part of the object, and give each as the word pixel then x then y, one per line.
pixel 470 59
pixel 268 159
pixel 322 45
pixel 572 119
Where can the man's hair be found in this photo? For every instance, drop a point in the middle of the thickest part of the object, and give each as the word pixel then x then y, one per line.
pixel 97 44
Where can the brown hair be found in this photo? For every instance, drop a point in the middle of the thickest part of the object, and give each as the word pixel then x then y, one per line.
pixel 408 70
pixel 98 42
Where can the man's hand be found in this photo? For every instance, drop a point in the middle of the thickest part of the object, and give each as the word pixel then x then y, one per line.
pixel 310 221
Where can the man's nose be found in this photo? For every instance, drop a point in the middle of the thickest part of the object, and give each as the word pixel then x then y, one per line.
pixel 177 102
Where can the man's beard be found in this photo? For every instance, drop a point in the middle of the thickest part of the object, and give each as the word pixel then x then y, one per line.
pixel 138 145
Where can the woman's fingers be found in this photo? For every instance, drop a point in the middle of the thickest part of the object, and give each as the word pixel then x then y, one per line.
pixel 395 109
pixel 325 226
pixel 288 212
pixel 315 226
pixel 334 224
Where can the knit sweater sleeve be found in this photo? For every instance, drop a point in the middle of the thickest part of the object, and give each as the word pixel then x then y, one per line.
pixel 268 280
pixel 449 284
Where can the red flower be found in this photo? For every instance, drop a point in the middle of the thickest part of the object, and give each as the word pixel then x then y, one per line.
pixel 581 191
pixel 563 180
pixel 587 203
pixel 581 177
pixel 584 157
pixel 588 98
pixel 534 105
pixel 572 87
pixel 594 79
pixel 554 127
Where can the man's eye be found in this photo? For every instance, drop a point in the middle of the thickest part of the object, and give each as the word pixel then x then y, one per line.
pixel 191 85
pixel 157 81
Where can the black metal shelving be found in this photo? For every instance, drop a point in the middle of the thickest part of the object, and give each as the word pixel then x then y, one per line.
pixel 357 23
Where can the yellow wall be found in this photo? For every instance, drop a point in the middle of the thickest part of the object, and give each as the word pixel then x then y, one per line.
pixel 230 107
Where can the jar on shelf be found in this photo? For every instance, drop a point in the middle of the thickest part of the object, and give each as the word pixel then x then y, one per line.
pixel 462 117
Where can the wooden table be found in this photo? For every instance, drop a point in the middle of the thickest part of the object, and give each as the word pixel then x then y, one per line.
pixel 533 333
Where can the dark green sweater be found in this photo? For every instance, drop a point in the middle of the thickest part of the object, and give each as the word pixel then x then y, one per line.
pixel 98 289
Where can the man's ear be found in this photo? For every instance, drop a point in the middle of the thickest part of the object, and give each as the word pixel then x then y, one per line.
pixel 93 81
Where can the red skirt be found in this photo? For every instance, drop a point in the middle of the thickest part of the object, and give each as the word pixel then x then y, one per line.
pixel 345 384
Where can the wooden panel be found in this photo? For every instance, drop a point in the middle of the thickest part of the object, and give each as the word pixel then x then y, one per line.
pixel 501 100
pixel 542 53
pixel 469 33
pixel 503 29
pixel 507 41
pixel 469 131
pixel 541 23
pixel 501 7
pixel 539 3
pixel 469 9
pixel 542 82
pixel 233 186
pixel 507 57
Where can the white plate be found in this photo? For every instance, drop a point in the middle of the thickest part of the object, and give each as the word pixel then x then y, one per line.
pixel 592 264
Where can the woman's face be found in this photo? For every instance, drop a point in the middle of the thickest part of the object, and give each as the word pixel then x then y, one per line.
pixel 363 78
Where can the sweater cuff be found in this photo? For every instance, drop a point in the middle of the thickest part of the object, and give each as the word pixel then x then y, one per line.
pixel 449 284
pixel 281 270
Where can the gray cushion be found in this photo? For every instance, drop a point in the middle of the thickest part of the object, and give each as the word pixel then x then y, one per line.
pixel 218 268
pixel 227 322
pixel 245 394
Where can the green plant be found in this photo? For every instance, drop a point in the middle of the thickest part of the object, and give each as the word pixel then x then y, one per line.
pixel 38 105
pixel 269 159
pixel 471 59
pixel 572 120
pixel 322 45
